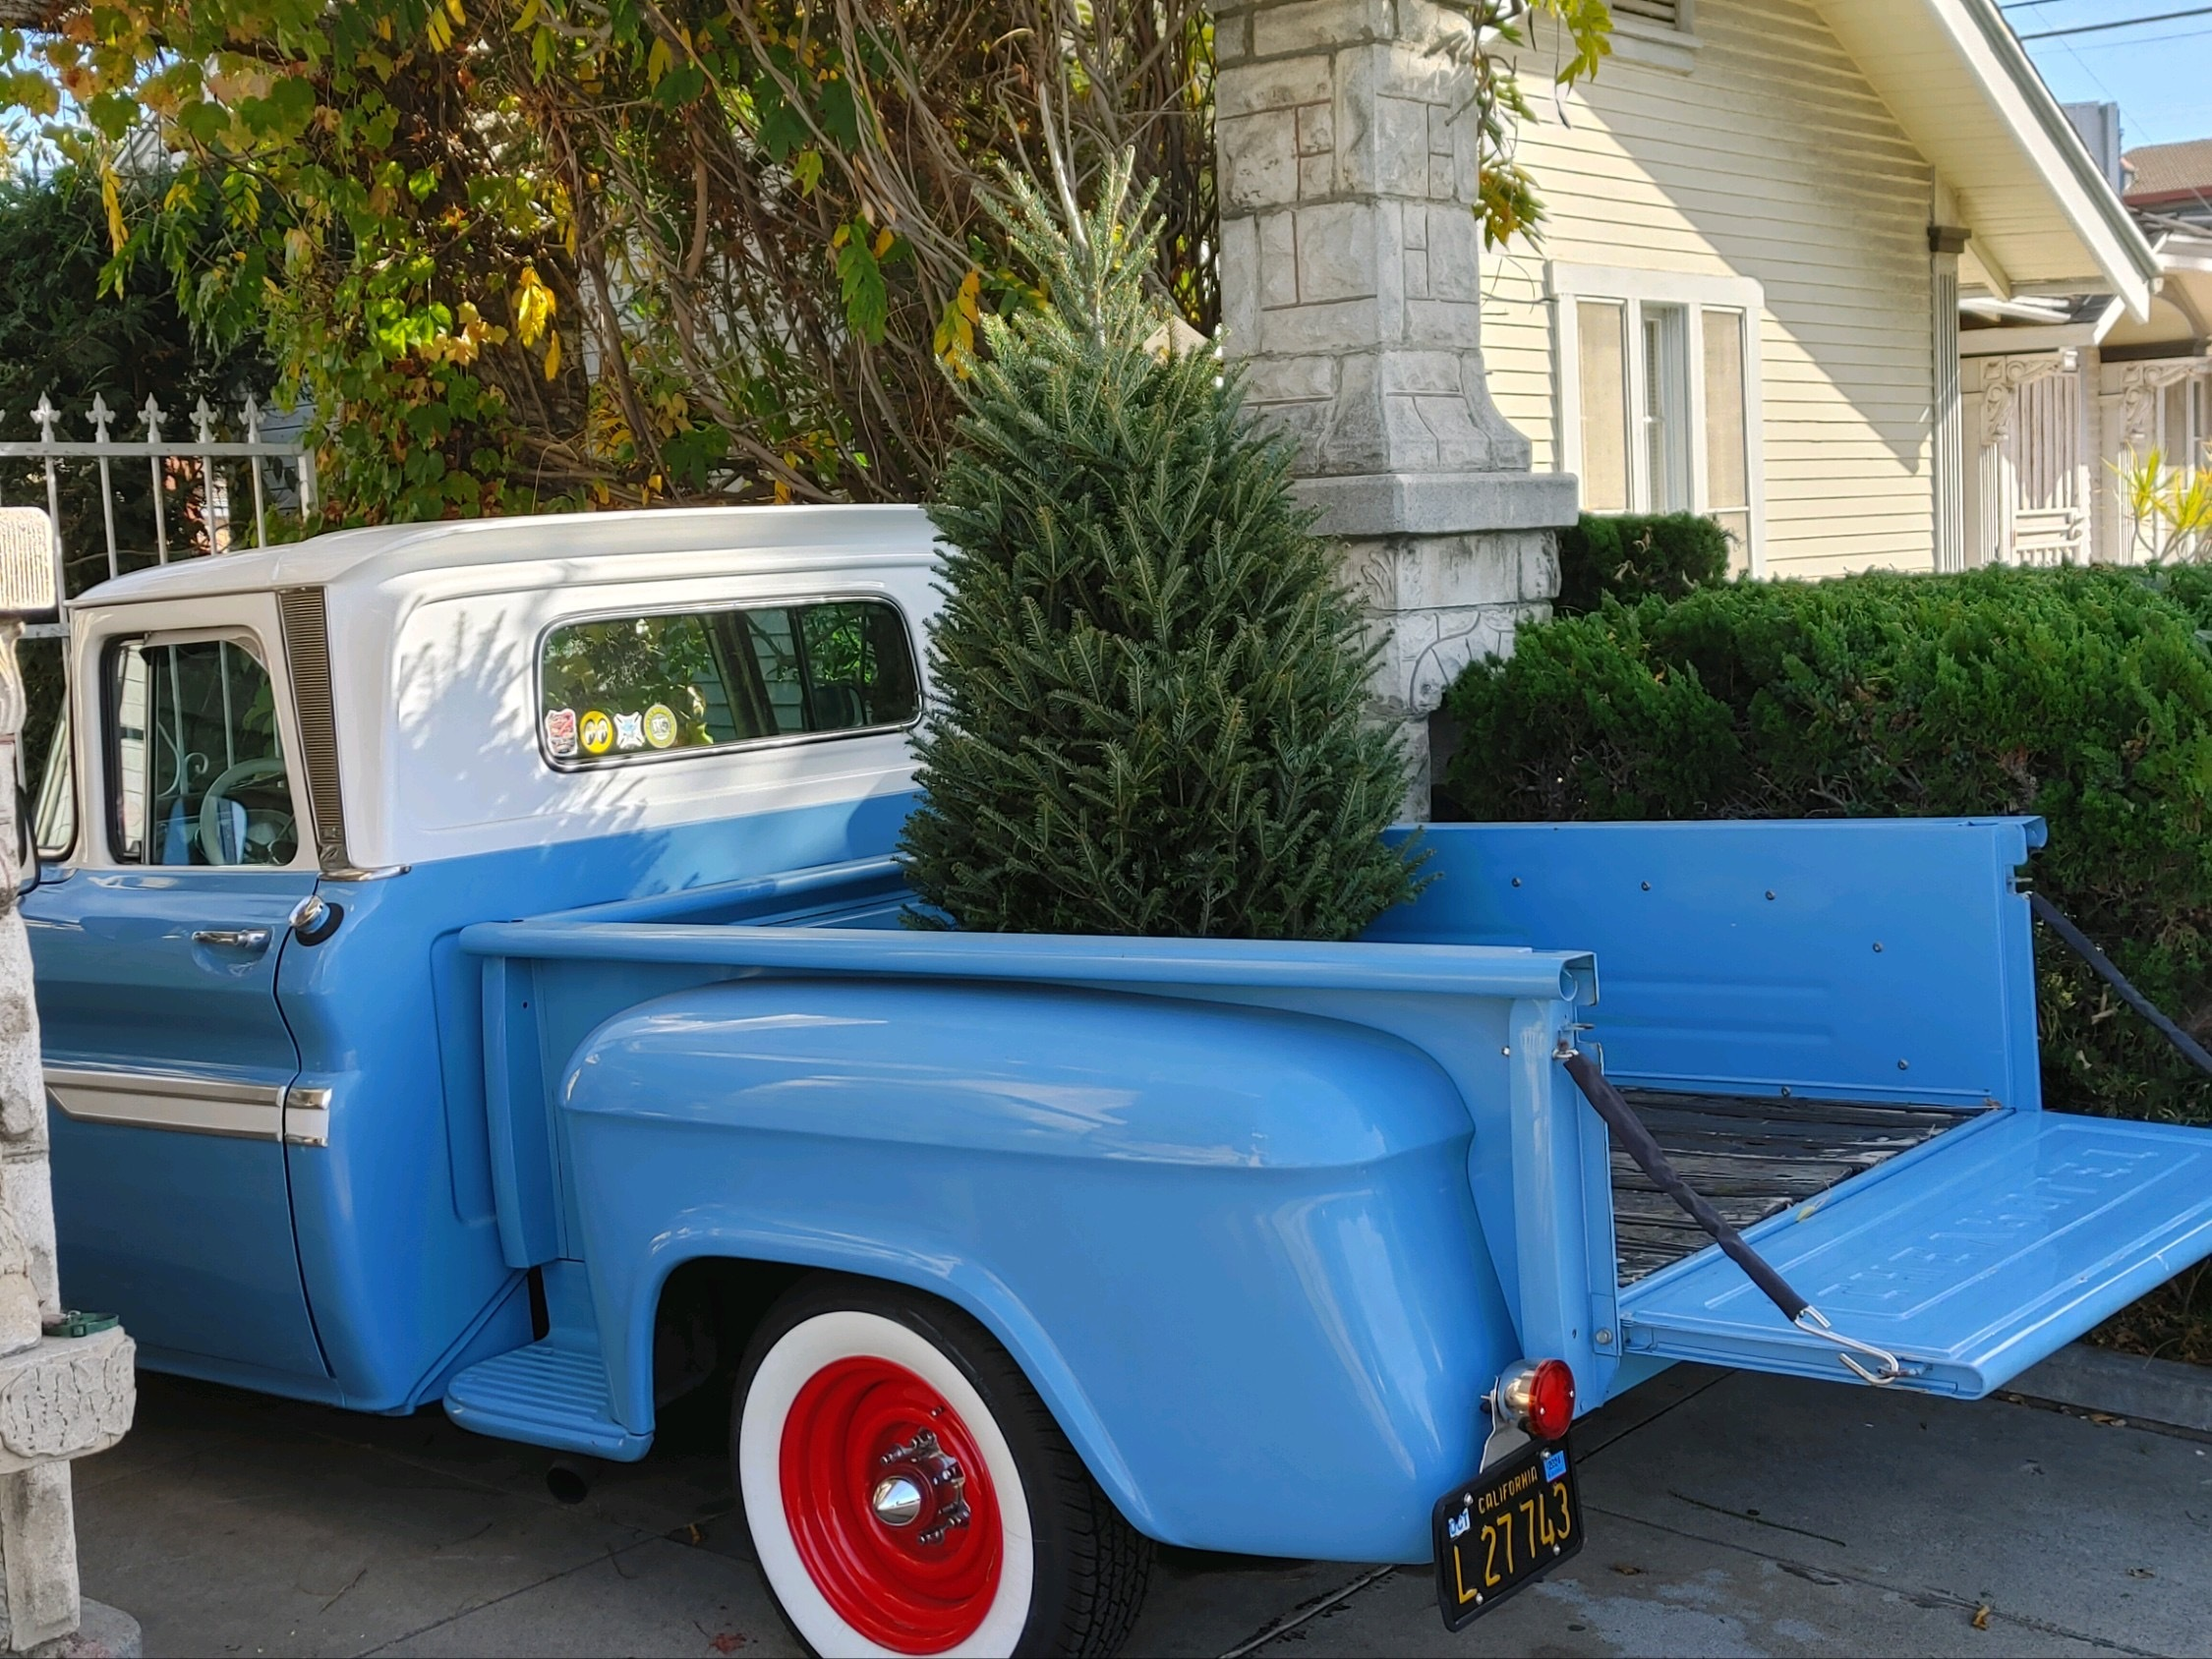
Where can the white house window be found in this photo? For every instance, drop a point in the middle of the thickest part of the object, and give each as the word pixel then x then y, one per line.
pixel 1604 406
pixel 1727 459
pixel 1667 14
pixel 1657 396
pixel 1666 407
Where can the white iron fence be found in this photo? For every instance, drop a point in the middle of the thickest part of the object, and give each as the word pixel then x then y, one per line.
pixel 190 481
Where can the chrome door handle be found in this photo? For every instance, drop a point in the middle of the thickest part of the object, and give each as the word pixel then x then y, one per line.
pixel 236 939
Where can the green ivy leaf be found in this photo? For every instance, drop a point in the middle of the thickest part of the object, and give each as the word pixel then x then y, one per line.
pixel 867 305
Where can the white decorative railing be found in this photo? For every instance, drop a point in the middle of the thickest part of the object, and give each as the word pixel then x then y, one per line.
pixel 212 531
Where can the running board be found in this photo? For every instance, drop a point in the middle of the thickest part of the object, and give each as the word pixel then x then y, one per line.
pixel 552 1392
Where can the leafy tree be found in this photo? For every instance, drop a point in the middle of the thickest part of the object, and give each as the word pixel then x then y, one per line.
pixel 546 252
pixel 63 340
pixel 1151 683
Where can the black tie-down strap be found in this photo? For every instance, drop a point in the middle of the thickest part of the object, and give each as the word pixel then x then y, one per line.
pixel 1637 1142
pixel 2079 941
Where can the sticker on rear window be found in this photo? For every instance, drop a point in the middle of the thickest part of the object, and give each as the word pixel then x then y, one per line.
pixel 560 731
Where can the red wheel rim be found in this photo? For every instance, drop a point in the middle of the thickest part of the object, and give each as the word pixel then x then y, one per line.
pixel 921 1588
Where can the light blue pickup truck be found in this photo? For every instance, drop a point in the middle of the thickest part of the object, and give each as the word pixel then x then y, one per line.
pixel 472 972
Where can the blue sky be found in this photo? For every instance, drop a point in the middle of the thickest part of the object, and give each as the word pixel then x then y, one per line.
pixel 2159 74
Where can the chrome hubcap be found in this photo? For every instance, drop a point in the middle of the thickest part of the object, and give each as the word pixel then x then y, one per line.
pixel 897 1501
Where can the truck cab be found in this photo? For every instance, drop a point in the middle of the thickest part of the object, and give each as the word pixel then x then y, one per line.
pixel 290 777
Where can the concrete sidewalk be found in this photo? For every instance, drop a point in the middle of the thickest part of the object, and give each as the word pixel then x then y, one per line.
pixel 1728 1514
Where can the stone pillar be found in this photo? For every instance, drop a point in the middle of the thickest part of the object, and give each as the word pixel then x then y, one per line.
pixel 67 1387
pixel 1351 283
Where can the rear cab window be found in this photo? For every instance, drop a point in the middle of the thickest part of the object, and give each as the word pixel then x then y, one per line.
pixel 652 685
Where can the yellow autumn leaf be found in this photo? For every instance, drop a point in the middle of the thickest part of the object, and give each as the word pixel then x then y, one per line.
pixel 533 306
pixel 970 297
pixel 527 16
pixel 111 198
pixel 659 61
pixel 884 240
pixel 455 6
pixel 552 355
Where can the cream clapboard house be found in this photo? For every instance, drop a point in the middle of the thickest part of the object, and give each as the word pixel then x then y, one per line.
pixel 1761 218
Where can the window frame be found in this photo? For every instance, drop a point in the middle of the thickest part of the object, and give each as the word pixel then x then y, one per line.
pixel 1632 289
pixel 742 746
pixel 107 744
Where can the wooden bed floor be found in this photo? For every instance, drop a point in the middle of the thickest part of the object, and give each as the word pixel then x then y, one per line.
pixel 1750 1158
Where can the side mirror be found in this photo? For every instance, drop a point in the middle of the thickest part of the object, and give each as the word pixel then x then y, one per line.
pixel 27 565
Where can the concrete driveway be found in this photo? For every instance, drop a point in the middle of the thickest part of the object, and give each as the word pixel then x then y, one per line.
pixel 1728 1514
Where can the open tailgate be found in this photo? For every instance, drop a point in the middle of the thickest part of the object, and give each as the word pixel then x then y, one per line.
pixel 1983 1252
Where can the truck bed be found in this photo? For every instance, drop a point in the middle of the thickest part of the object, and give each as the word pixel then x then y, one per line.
pixel 1752 1158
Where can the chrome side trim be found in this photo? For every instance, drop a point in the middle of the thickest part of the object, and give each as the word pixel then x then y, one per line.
pixel 382 873
pixel 307 1117
pixel 194 1106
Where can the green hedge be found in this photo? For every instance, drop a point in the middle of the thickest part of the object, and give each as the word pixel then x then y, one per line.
pixel 1637 557
pixel 2083 696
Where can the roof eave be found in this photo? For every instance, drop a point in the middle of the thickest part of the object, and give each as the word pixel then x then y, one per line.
pixel 2084 195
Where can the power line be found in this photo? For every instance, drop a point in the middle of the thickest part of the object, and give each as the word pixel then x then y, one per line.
pixel 2118 23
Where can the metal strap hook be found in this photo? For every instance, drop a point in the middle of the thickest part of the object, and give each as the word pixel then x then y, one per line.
pixel 1813 1321
pixel 1645 1151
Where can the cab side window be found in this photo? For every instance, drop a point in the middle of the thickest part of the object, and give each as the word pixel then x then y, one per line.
pixel 708 679
pixel 195 769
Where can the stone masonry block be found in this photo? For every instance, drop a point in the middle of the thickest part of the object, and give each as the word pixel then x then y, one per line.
pixel 1432 372
pixel 38 1520
pixel 1416 273
pixel 1278 260
pixel 27 1191
pixel 1412 445
pixel 1284 84
pixel 1243 272
pixel 67 1397
pixel 1259 155
pixel 1441 325
pixel 1306 26
pixel 1275 380
pixel 1316 128
pixel 1440 129
pixel 1455 269
pixel 1347 325
pixel 1336 253
pixel 1402 133
pixel 1316 177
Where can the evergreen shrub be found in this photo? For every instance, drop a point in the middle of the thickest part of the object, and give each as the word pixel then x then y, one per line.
pixel 1638 556
pixel 1148 681
pixel 2081 695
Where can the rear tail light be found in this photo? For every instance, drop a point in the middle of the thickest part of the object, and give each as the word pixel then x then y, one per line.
pixel 1538 1398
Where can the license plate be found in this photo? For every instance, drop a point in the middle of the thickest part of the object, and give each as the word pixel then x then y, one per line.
pixel 1504 1530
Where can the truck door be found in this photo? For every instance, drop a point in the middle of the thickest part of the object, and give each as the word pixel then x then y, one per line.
pixel 155 944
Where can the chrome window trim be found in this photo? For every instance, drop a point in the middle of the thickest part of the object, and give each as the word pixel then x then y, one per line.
pixel 303 620
pixel 743 746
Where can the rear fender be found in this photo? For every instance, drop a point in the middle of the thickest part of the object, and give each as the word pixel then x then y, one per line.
pixel 1234 1250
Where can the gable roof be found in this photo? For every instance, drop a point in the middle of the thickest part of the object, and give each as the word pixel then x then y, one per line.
pixel 2164 174
pixel 2042 218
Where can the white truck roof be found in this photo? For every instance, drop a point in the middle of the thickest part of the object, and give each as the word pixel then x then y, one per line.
pixel 391 555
